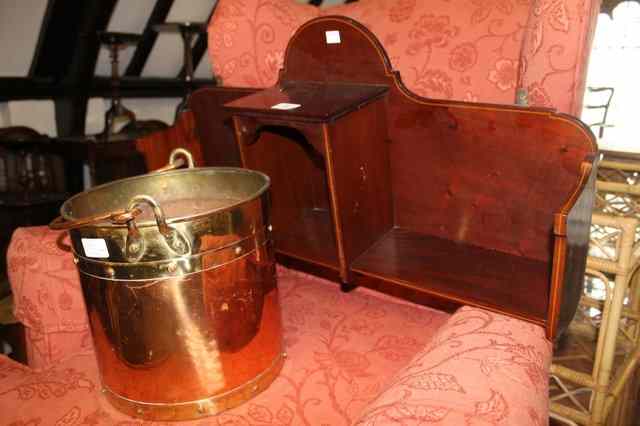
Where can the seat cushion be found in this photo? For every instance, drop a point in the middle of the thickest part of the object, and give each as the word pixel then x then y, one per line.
pixel 64 394
pixel 346 356
pixel 342 349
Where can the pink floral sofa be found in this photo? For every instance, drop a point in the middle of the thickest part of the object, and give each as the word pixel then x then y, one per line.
pixel 356 358
pixel 470 50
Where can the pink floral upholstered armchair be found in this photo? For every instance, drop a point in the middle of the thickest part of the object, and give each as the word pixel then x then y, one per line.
pixel 358 358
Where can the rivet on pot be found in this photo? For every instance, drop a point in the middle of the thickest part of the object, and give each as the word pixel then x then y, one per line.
pixel 139 411
pixel 270 228
pixel 172 267
pixel 238 250
pixel 110 271
pixel 75 260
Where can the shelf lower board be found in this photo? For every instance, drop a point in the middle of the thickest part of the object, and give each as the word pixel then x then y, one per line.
pixel 460 273
pixel 309 266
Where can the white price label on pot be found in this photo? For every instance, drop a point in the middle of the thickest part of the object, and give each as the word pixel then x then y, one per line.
pixel 332 37
pixel 285 106
pixel 95 247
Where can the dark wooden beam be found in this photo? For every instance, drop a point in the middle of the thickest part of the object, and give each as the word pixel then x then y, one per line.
pixel 145 87
pixel 57 40
pixel 28 88
pixel 149 36
pixel 71 107
pixel 46 20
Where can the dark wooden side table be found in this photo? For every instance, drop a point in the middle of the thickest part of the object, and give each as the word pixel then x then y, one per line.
pixel 107 159
pixel 334 208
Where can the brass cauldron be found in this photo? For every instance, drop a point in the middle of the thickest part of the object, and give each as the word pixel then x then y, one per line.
pixel 178 276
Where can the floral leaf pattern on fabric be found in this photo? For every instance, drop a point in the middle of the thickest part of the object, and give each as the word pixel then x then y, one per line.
pixel 493 410
pixel 456 36
pixel 434 381
pixel 488 360
pixel 504 75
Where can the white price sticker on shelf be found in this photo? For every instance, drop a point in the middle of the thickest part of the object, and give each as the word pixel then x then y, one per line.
pixel 95 247
pixel 286 106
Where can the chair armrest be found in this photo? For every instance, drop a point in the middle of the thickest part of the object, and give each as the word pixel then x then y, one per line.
pixel 47 295
pixel 479 366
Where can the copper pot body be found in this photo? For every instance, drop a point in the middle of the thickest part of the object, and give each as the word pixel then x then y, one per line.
pixel 183 308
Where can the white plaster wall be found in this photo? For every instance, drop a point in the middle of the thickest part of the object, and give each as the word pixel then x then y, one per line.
pixel 165 59
pixel 37 114
pixel 94 120
pixel 204 69
pixel 20 22
pixel 4 115
pixel 128 17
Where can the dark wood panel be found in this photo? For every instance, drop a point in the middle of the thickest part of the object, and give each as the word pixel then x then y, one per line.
pixel 309 237
pixel 487 176
pixel 468 274
pixel 214 124
pixel 301 216
pixel 310 101
pixel 573 242
pixel 360 163
pixel 157 146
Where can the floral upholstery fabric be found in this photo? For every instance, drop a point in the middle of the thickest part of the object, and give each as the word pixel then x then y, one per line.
pixel 48 299
pixel 66 394
pixel 469 50
pixel 556 52
pixel 348 355
pixel 469 375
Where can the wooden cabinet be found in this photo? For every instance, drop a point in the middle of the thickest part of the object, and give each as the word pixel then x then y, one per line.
pixel 325 148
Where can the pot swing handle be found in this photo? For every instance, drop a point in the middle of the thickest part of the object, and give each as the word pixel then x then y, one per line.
pixel 178 158
pixel 118 217
pixel 135 244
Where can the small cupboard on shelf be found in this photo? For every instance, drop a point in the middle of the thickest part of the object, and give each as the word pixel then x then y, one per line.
pixel 441 202
pixel 325 151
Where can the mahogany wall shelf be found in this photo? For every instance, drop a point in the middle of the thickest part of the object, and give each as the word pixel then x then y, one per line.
pixel 441 202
